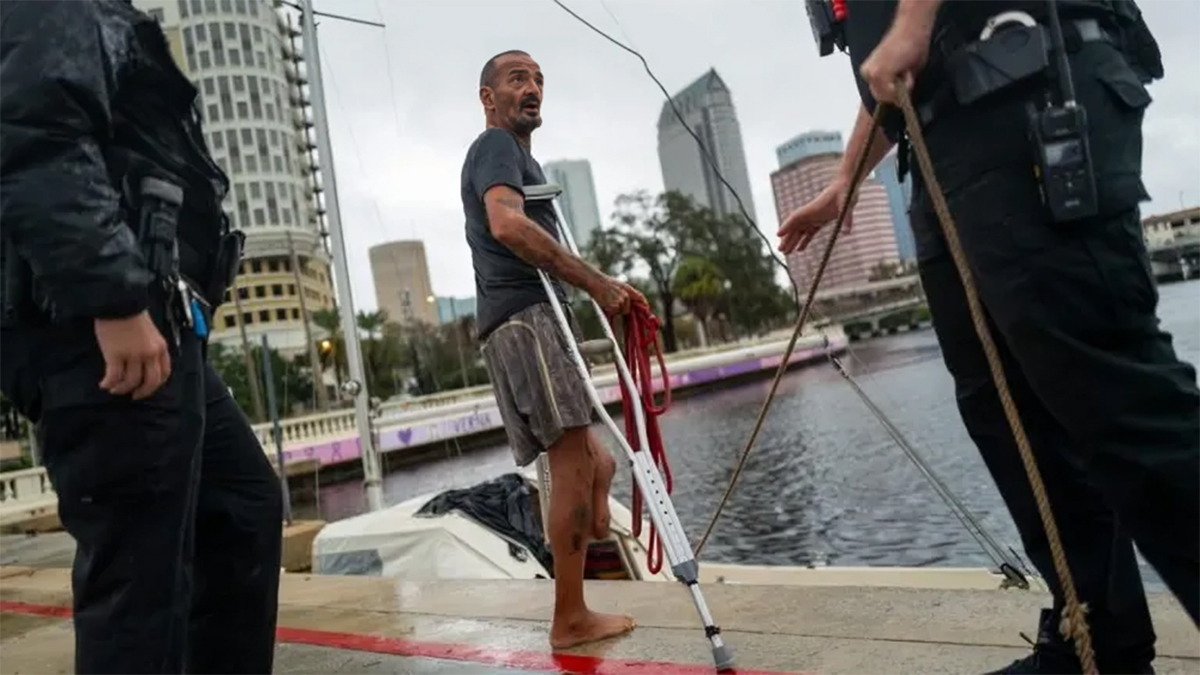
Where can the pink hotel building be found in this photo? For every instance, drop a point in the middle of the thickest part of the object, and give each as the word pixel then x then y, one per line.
pixel 806 165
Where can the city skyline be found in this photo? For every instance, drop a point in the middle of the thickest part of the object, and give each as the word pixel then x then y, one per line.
pixel 401 123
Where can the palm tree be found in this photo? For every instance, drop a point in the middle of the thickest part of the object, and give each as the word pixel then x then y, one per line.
pixel 699 284
pixel 372 324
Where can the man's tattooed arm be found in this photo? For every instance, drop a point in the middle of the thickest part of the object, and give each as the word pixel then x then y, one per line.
pixel 511 227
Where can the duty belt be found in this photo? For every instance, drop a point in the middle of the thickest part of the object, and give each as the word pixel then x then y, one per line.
pixel 1075 33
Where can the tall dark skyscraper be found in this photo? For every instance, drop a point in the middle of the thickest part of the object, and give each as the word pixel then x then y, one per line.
pixel 707 105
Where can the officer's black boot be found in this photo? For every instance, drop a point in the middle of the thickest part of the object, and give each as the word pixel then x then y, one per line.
pixel 1053 656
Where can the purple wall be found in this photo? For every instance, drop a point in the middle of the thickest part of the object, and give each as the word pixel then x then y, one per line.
pixel 487 419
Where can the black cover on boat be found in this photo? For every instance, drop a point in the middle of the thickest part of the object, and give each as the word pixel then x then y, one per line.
pixel 505 506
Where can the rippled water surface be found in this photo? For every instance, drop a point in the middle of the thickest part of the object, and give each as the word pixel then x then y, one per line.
pixel 825 483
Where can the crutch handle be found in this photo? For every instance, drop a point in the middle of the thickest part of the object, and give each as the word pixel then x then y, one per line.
pixel 541 193
pixel 597 347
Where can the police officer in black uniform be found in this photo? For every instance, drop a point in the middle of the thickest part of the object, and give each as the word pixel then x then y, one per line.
pixel 1111 412
pixel 114 251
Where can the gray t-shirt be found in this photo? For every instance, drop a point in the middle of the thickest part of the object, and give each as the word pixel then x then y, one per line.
pixel 504 283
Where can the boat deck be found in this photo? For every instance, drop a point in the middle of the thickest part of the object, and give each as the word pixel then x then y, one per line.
pixel 373 625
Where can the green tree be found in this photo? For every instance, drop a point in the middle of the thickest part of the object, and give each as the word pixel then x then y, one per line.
pixel 371 324
pixel 293 385
pixel 651 235
pixel 700 286
pixel 655 235
pixel 753 300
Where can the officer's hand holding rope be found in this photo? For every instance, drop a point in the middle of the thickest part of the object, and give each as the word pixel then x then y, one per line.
pixel 902 52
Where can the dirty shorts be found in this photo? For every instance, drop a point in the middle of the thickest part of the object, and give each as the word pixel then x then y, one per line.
pixel 538 388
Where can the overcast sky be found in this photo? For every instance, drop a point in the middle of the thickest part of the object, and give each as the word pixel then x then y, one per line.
pixel 399 141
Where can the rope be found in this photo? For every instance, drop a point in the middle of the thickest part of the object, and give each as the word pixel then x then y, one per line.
pixel 1074 624
pixel 859 169
pixel 1011 569
pixel 641 331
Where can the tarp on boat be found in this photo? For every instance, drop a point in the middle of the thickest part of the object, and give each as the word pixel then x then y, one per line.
pixel 487 531
pixel 504 505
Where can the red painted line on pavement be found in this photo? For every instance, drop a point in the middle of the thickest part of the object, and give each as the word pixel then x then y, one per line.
pixel 525 660
pixel 35 610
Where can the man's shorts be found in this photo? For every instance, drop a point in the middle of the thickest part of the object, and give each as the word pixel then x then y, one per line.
pixel 539 390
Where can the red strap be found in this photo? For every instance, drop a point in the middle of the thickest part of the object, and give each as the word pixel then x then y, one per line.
pixel 641 331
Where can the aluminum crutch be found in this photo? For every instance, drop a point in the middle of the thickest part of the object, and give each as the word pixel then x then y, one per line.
pixel 645 473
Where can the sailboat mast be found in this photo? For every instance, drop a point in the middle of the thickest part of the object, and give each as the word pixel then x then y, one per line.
pixel 356 386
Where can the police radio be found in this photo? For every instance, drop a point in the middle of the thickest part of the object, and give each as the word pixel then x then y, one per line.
pixel 826 17
pixel 1064 158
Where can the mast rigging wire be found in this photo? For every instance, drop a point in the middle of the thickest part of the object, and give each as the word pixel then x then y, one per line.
pixel 1011 568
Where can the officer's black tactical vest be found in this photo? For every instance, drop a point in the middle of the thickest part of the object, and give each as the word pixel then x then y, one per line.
pixel 155 132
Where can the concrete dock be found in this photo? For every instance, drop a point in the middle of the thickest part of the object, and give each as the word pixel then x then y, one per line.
pixel 373 625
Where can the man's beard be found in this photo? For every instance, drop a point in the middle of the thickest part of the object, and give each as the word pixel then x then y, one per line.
pixel 524 124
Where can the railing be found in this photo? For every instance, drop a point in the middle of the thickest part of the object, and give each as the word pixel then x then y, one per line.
pixel 24 485
pixel 340 423
pixel 25 493
pixel 30 488
pixel 859 314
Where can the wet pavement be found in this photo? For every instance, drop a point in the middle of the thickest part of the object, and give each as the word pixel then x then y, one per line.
pixel 372 625
pixel 306 659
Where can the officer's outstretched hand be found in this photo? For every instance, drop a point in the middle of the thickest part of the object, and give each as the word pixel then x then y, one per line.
pixel 135 356
pixel 803 224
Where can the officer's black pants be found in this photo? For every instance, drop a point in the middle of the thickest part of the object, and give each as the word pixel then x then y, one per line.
pixel 1111 412
pixel 177 516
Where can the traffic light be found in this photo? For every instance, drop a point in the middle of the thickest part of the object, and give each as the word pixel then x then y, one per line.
pixel 325 352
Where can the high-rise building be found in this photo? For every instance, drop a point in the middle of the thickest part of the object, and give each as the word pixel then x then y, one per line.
pixel 707 106
pixel 402 286
pixel 578 196
pixel 243 59
pixel 808 163
pixel 450 310
pixel 899 197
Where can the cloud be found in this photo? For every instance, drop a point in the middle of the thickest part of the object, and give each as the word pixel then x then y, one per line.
pixel 403 102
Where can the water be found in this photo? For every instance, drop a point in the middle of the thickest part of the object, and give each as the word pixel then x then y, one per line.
pixel 825 483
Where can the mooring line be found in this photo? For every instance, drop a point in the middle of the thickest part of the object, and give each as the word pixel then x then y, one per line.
pixel 1011 568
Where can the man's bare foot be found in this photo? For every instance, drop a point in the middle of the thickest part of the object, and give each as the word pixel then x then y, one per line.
pixel 606 469
pixel 592 627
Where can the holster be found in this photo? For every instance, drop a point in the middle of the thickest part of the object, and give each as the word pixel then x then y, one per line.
pixel 226 262
pixel 19 303
pixel 1013 55
pixel 975 69
pixel 158 205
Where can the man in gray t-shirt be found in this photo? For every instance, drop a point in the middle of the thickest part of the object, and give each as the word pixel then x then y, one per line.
pixel 542 397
